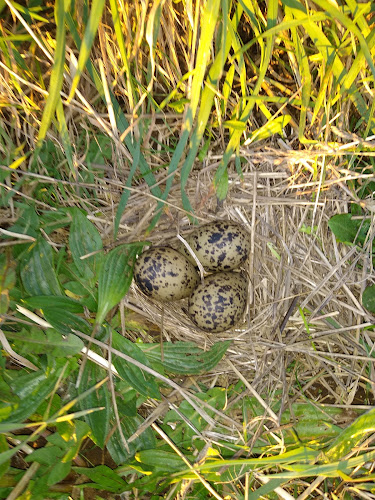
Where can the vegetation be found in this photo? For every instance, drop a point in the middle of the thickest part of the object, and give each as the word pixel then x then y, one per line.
pixel 123 124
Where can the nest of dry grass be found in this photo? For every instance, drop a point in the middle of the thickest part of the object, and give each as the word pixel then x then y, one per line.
pixel 304 317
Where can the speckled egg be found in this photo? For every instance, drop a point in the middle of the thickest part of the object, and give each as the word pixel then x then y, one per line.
pixel 164 274
pixel 219 303
pixel 220 245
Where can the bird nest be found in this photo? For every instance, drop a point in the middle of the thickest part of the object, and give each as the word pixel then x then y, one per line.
pixel 304 311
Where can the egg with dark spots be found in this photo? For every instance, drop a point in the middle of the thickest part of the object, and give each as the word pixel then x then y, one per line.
pixel 219 303
pixel 164 274
pixel 219 245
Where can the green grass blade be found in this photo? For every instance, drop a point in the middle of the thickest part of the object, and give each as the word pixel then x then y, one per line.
pixel 88 39
pixel 208 25
pixel 125 195
pixel 236 135
pixel 204 113
pixel 352 436
pixel 57 73
pixel 121 120
pixel 121 45
pixel 64 134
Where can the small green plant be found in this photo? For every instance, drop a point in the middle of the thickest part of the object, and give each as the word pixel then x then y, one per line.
pixel 356 230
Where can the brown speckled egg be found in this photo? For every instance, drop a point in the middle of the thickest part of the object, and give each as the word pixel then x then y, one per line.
pixel 164 274
pixel 219 303
pixel 219 245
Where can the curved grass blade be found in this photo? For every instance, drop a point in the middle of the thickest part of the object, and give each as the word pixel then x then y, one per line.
pixel 96 12
pixel 57 73
pixel 121 45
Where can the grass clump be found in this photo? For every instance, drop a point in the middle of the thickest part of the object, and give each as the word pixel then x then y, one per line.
pixel 124 123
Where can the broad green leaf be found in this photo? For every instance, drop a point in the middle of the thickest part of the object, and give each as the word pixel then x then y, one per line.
pixel 99 420
pixel 37 270
pixel 96 11
pixel 368 298
pixel 27 222
pixel 185 358
pixel 115 277
pixel 35 341
pixel 142 381
pixel 84 238
pixel 348 230
pixel 104 477
pixel 352 436
pixel 129 426
pixel 62 345
pixel 32 389
pixel 57 73
pixel 46 455
pixel 42 301
pixel 65 321
pixel 58 472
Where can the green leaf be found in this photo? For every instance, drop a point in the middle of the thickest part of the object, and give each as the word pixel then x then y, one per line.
pixel 45 456
pixel 62 346
pixel 143 442
pixel 104 477
pixel 99 420
pixel 273 126
pixel 348 230
pixel 65 321
pixel 142 381
pixel 88 38
pixel 185 358
pixel 115 277
pixel 3 448
pixel 368 298
pixel 352 436
pixel 37 271
pixel 84 238
pixel 43 301
pixel 73 433
pixel 58 472
pixel 162 460
pixel 32 389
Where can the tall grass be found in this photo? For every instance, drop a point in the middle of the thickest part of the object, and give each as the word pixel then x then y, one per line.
pixel 243 70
